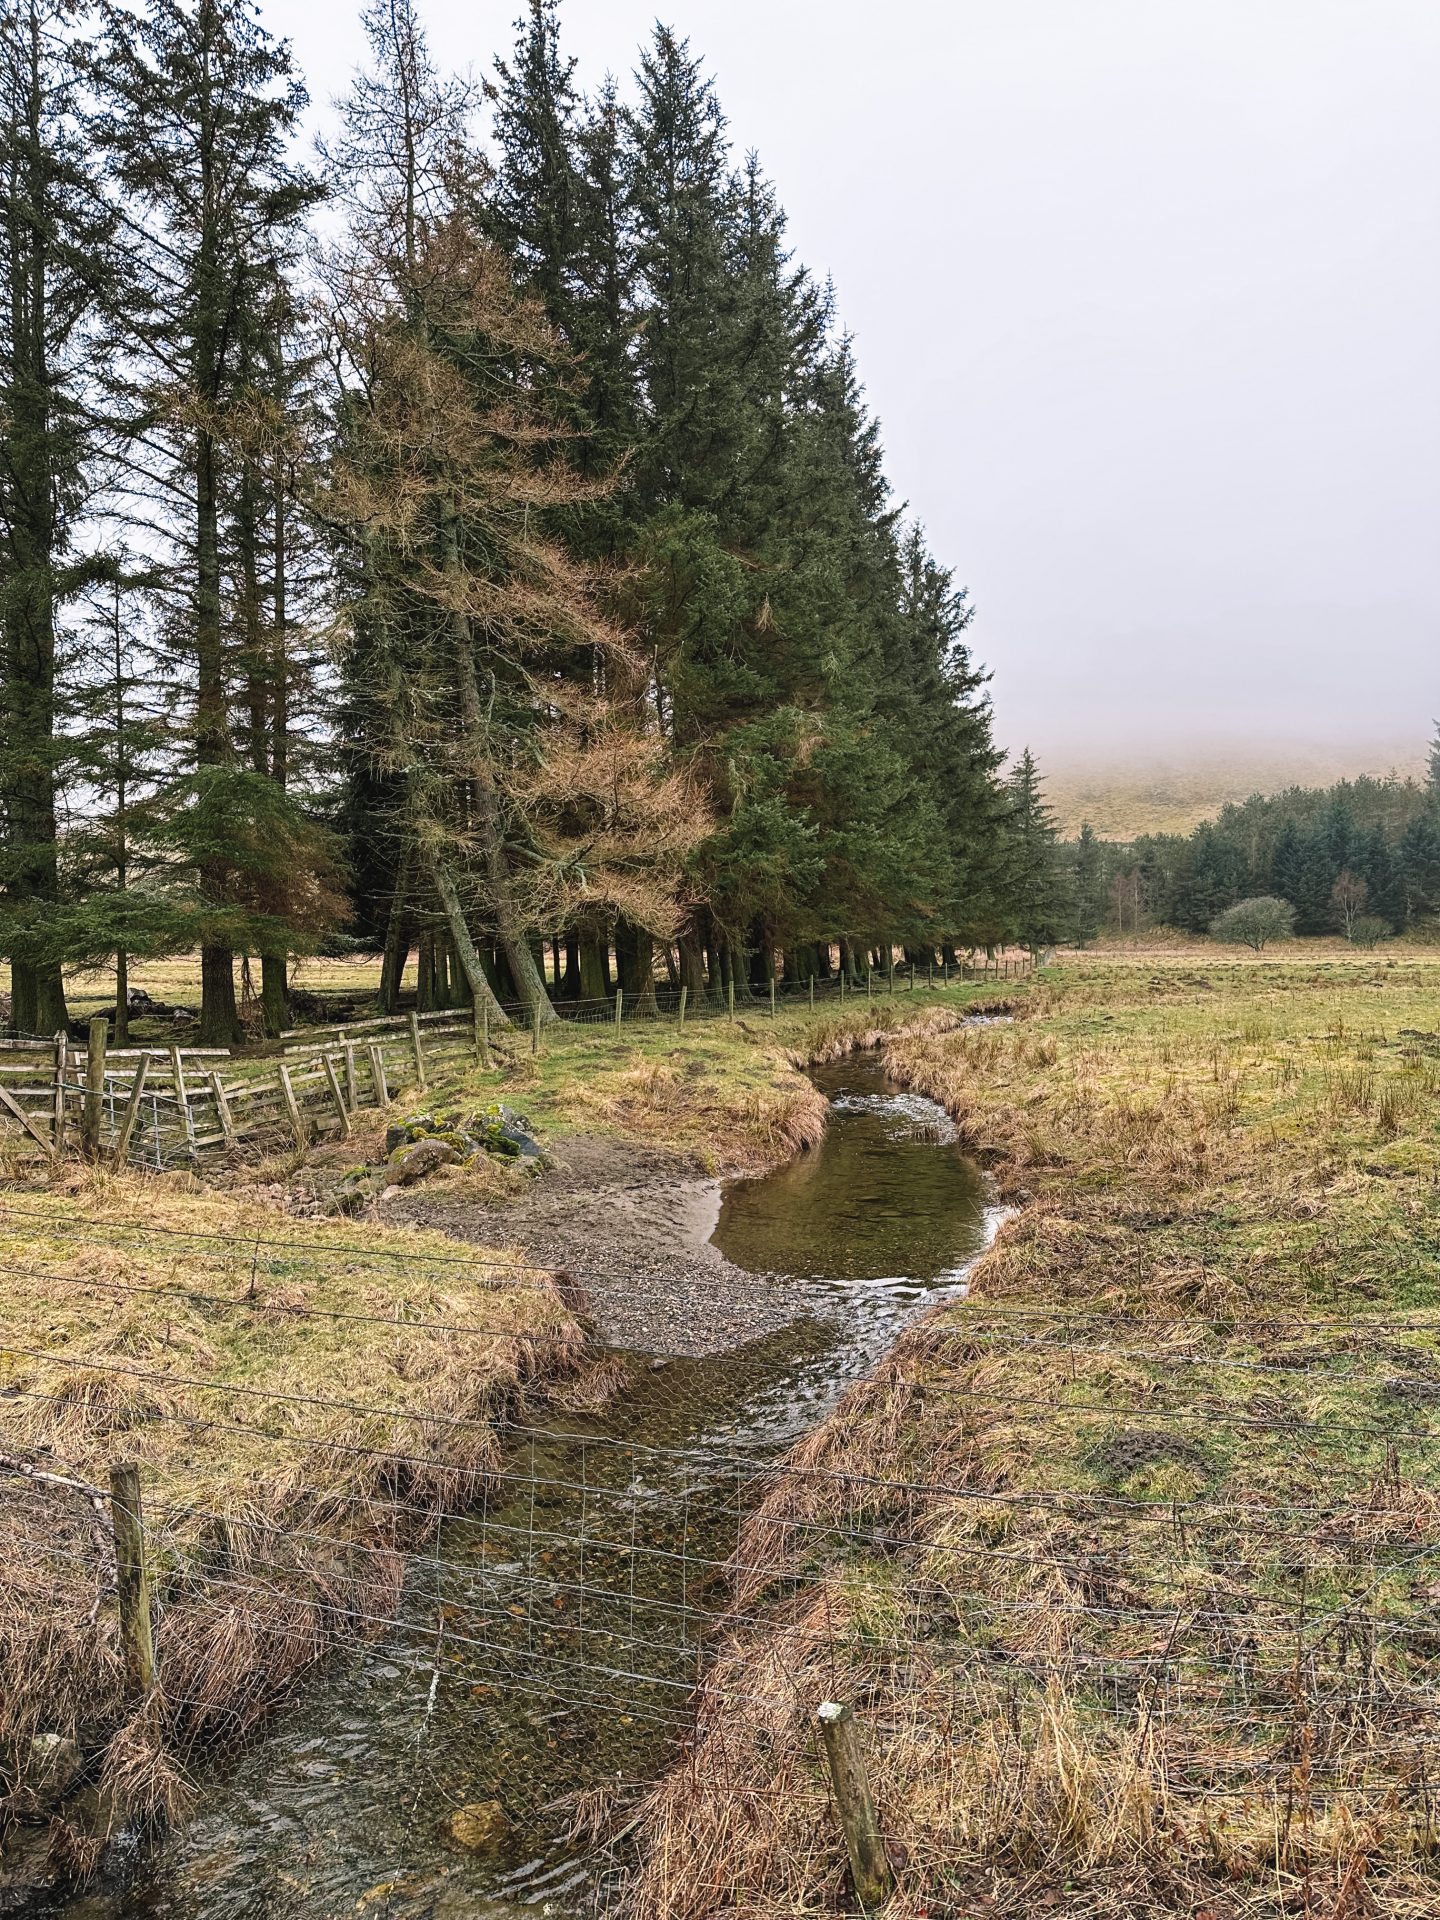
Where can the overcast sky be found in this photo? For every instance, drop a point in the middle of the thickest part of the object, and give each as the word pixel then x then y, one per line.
pixel 1147 297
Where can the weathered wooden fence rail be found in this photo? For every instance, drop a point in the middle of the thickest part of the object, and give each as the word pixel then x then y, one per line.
pixel 165 1105
pixel 160 1106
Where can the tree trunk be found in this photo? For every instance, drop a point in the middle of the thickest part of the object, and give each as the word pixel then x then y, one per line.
pixel 219 1015
pixel 122 998
pixel 274 994
pixel 36 484
pixel 480 990
pixel 397 947
pixel 425 972
pixel 511 934
pixel 692 966
pixel 594 985
pixel 638 969
pixel 571 988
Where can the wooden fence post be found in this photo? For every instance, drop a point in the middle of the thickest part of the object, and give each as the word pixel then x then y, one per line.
pixel 62 1063
pixel 222 1108
pixel 619 1006
pixel 377 1074
pixel 132 1110
pixel 869 1868
pixel 535 1026
pixel 730 996
pixel 419 1055
pixel 352 1078
pixel 292 1106
pixel 132 1584
pixel 684 994
pixel 335 1094
pixel 772 996
pixel 812 993
pixel 182 1099
pixel 93 1113
pixel 869 979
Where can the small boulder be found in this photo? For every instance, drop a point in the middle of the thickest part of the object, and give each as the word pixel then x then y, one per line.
pixel 479 1827
pixel 415 1126
pixel 54 1763
pixel 411 1163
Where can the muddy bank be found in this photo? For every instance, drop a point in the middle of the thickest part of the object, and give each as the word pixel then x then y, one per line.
pixel 631 1224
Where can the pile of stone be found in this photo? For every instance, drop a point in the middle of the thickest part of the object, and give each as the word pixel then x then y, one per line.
pixel 422 1142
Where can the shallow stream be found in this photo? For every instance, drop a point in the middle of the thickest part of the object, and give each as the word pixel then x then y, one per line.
pixel 549 1643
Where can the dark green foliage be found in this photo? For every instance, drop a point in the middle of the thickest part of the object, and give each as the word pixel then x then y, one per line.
pixel 1035 888
pixel 575 492
pixel 56 256
pixel 1295 845
pixel 1085 887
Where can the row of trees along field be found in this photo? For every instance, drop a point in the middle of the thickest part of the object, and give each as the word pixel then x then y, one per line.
pixel 472 548
pixel 1361 854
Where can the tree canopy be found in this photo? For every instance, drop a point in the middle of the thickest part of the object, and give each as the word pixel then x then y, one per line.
pixel 504 558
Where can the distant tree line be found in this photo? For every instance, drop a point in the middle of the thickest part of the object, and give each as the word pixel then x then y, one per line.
pixel 474 546
pixel 1360 858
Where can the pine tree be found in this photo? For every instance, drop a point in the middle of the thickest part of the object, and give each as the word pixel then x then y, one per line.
pixel 58 270
pixel 468 615
pixel 1382 869
pixel 199 109
pixel 1085 886
pixel 122 734
pixel 1033 894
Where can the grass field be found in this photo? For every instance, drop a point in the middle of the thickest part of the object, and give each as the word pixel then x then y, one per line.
pixel 304 1397
pixel 725 1093
pixel 1129 1562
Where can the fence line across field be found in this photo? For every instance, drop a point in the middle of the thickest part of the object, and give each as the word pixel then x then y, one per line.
pixel 162 1106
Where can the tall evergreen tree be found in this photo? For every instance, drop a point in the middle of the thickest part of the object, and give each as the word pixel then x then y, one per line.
pixel 58 272
pixel 200 107
pixel 1085 887
pixel 1033 892
pixel 515 790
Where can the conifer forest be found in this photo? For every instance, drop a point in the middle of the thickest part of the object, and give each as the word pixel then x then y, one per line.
pixel 469 538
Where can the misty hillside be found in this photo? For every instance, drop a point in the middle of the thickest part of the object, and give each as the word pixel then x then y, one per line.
pixel 1128 795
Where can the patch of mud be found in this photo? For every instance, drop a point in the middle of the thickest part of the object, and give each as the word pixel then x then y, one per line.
pixel 1131 1450
pixel 631 1224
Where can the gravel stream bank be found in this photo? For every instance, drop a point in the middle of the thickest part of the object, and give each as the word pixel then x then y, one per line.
pixel 632 1226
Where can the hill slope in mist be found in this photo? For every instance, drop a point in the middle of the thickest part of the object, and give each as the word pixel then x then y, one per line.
pixel 1124 795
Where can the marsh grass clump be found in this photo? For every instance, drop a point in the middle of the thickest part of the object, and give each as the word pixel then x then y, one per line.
pixel 305 1400
pixel 1123 1561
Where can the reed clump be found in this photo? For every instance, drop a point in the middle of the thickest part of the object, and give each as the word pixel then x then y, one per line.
pixel 305 1400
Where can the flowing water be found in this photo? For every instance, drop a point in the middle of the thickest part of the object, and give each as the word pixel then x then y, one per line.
pixel 549 1642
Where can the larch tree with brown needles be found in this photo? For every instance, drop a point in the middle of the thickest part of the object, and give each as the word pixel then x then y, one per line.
pixel 500 713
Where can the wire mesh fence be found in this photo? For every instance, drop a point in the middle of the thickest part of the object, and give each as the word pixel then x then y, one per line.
pixel 1196 1551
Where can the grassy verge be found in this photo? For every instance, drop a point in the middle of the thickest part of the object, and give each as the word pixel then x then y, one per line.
pixel 725 1094
pixel 304 1401
pixel 1129 1563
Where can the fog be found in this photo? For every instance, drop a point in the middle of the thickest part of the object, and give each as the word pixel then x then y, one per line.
pixel 1147 298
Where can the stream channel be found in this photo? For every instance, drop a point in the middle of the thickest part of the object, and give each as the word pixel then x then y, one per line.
pixel 571 1612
